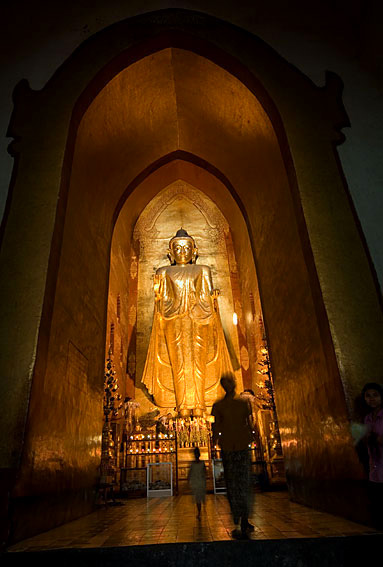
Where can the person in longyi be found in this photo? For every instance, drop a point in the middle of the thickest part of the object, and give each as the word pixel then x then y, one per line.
pixel 232 429
pixel 187 351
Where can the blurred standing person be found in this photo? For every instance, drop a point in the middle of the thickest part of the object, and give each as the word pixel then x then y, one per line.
pixel 232 429
pixel 197 480
pixel 249 396
pixel 373 397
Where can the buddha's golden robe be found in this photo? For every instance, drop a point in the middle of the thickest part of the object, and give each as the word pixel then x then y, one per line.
pixel 187 351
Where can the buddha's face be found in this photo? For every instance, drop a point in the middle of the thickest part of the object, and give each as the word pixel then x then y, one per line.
pixel 182 250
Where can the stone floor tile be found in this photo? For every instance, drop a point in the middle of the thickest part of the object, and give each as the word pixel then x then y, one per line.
pixel 167 520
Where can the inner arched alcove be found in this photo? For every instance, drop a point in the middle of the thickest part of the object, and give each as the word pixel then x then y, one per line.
pixel 182 204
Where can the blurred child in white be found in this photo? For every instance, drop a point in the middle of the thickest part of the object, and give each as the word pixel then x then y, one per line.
pixel 197 480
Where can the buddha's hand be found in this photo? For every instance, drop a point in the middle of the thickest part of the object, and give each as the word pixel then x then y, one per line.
pixel 215 293
pixel 157 288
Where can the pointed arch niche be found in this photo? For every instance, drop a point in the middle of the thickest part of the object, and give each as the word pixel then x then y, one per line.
pixel 175 116
pixel 180 203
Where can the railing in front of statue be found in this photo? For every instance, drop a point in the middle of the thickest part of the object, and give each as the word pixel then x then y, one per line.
pixel 142 448
pixel 153 446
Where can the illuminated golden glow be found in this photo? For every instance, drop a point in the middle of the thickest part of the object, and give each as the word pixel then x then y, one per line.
pixel 182 204
pixel 187 336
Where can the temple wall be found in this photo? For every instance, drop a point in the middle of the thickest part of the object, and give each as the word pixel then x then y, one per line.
pixel 121 287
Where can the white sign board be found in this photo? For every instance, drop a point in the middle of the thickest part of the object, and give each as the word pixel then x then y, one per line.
pixel 159 479
pixel 218 477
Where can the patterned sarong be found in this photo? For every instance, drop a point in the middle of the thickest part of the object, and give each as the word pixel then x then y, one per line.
pixel 237 472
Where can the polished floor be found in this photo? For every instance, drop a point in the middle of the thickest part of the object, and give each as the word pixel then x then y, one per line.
pixel 173 519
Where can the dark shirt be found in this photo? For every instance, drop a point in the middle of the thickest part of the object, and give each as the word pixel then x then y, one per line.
pixel 232 425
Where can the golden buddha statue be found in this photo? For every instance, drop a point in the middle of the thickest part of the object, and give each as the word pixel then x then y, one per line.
pixel 187 352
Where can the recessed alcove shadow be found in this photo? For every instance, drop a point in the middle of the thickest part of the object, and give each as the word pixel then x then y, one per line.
pixel 176 115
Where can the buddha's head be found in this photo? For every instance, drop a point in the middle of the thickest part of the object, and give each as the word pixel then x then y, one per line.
pixel 182 248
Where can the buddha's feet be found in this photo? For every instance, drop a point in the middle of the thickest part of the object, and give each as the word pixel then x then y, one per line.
pixel 198 412
pixel 184 413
